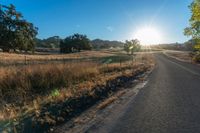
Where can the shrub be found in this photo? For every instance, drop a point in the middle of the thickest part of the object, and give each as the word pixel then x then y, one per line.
pixel 196 57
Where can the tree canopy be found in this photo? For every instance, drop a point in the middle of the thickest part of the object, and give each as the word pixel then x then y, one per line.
pixel 15 32
pixel 194 29
pixel 75 43
pixel 132 46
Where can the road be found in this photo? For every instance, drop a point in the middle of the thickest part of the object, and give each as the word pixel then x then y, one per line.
pixel 169 103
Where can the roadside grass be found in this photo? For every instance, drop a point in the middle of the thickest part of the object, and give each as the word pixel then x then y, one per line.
pixel 18 83
pixel 107 102
pixel 183 56
pixel 34 90
pixel 110 100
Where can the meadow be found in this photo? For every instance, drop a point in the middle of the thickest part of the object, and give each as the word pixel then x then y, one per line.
pixel 33 85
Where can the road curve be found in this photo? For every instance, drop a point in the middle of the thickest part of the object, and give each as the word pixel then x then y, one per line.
pixel 169 103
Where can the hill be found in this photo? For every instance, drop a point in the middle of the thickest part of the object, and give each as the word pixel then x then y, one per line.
pixel 104 44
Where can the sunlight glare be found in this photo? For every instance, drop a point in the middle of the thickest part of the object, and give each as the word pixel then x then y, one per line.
pixel 148 36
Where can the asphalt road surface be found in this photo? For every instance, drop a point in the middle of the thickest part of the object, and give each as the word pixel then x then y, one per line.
pixel 169 103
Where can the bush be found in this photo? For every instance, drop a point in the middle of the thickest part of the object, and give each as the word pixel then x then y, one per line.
pixel 196 57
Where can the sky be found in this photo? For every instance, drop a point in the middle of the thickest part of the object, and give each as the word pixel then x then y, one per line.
pixel 106 19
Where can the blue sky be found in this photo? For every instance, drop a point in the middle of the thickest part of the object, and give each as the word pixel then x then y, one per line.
pixel 106 19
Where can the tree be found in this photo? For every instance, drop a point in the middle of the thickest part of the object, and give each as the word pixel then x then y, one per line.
pixel 194 29
pixel 127 46
pixel 15 32
pixel 76 42
pixel 189 45
pixel 132 46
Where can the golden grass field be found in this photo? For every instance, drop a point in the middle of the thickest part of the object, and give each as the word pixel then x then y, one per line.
pixel 25 89
pixel 16 58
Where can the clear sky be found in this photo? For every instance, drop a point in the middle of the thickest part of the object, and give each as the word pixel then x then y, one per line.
pixel 106 19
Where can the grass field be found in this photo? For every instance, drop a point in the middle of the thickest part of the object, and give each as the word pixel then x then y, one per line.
pixel 30 88
pixel 15 59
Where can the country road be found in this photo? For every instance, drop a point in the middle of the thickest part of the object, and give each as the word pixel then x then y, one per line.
pixel 169 103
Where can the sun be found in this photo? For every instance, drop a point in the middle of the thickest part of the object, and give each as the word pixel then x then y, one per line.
pixel 148 36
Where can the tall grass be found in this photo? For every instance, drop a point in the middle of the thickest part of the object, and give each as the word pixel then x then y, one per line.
pixel 20 84
pixel 13 58
pixel 26 88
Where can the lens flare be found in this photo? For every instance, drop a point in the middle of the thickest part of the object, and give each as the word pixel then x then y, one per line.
pixel 148 36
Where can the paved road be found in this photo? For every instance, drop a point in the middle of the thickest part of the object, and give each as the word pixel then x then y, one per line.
pixel 170 102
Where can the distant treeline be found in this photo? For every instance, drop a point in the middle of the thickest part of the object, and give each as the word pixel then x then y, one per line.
pixel 51 42
pixel 76 43
pixel 105 44
pixel 187 46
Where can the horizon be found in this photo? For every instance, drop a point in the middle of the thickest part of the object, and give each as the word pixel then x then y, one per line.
pixel 107 20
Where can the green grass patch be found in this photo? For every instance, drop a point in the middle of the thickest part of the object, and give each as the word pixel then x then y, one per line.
pixel 113 59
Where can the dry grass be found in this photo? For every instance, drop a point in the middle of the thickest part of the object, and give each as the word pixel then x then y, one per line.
pixel 110 100
pixel 24 90
pixel 183 56
pixel 11 58
pixel 107 102
pixel 18 83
